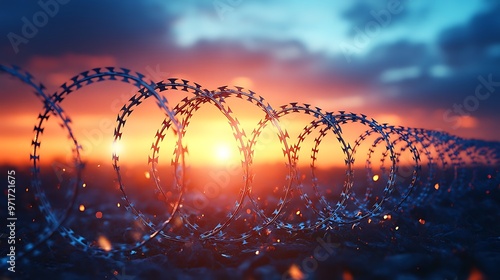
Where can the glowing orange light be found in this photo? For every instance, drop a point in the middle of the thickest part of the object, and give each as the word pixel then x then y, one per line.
pixel 118 204
pixel 475 274
pixel 178 222
pixel 82 208
pixel 298 212
pixel 104 243
pixel 84 185
pixel 98 215
pixel 257 252
pixel 242 82
pixel 436 186
pixel 421 221
pixel 375 178
pixel 295 272
pixel 347 275
pixel 468 122
pixel 147 175
pixel 387 217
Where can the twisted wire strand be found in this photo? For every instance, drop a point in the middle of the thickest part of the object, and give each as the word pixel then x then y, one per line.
pixel 440 166
pixel 51 105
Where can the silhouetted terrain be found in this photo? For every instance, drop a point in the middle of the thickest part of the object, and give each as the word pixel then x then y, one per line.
pixel 448 237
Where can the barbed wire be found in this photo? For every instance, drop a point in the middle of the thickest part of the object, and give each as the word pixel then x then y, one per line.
pixel 438 163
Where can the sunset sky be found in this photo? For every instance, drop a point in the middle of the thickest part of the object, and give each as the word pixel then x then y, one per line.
pixel 430 64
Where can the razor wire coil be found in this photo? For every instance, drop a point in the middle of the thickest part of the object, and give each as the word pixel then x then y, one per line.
pixel 442 152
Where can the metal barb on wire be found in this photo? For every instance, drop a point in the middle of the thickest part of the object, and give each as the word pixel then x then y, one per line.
pixel 432 154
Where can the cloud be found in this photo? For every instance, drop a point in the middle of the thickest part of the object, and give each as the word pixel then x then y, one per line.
pixel 362 12
pixel 286 53
pixel 90 27
pixel 55 69
pixel 467 43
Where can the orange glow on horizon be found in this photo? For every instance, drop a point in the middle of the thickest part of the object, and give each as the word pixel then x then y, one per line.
pixel 215 144
pixel 209 139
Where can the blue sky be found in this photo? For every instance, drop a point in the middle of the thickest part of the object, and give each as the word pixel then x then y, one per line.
pixel 321 26
pixel 412 63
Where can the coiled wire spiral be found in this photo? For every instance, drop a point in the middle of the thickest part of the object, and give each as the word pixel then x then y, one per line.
pixel 434 156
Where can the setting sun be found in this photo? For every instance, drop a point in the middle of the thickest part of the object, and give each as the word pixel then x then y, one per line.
pixel 222 152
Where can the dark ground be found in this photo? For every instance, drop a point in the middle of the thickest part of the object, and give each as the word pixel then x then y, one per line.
pixel 455 238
